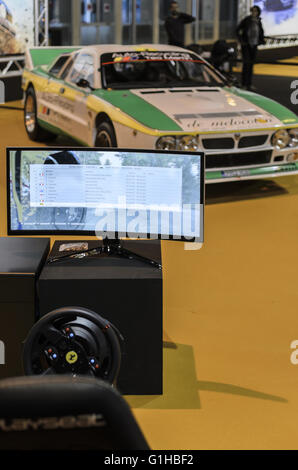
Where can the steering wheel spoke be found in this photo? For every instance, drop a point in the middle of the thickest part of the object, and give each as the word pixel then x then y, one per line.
pixel 53 335
pixel 49 371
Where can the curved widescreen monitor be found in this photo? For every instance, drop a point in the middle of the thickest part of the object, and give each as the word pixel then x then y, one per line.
pixel 114 193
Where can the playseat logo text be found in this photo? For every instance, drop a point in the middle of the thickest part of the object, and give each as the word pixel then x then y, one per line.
pixel 294 94
pixel 64 422
pixel 2 353
pixel 294 355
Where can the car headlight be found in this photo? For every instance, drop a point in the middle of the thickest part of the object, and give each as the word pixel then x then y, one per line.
pixel 280 139
pixel 167 142
pixel 293 133
pixel 188 142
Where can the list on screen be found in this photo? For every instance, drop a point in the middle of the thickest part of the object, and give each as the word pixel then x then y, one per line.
pixel 93 186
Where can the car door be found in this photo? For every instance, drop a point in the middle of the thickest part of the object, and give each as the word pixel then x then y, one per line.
pixel 81 72
pixel 56 109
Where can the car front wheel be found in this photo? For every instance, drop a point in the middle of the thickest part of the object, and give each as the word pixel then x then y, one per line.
pixel 105 135
pixel 34 131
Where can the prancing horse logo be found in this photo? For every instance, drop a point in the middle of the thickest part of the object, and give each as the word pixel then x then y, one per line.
pixel 71 357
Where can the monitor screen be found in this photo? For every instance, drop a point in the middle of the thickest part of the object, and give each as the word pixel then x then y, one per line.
pixel 114 193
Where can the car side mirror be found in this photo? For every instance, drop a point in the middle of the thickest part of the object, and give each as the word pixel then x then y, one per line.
pixel 83 83
pixel 232 81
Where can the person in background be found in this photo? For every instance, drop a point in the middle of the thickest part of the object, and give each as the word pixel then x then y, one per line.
pixel 174 25
pixel 250 33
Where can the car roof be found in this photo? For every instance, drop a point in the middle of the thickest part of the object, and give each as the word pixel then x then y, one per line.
pixel 106 48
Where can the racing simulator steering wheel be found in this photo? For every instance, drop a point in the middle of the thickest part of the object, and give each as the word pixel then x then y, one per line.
pixel 76 341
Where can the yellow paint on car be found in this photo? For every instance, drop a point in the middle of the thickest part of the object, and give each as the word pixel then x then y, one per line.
pixel 145 49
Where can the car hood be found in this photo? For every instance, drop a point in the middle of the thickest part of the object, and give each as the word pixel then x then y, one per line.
pixel 208 109
pixel 200 109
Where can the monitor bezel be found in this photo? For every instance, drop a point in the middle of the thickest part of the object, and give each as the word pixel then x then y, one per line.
pixel 90 233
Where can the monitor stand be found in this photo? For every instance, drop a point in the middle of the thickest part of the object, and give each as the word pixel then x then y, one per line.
pixel 109 247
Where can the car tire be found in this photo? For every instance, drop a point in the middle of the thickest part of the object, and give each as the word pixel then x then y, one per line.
pixel 33 129
pixel 105 135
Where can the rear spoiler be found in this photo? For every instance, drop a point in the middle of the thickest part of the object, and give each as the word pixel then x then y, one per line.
pixel 36 56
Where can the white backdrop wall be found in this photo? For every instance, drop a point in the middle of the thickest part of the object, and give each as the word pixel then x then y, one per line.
pixel 280 17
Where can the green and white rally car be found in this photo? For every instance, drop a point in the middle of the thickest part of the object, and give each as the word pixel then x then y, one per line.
pixel 157 97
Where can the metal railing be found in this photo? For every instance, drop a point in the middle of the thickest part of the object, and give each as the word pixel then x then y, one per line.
pixel 11 66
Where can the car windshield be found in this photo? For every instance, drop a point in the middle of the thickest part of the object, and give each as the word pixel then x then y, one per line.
pixel 164 69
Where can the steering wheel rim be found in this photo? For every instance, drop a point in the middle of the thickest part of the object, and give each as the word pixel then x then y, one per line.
pixel 46 326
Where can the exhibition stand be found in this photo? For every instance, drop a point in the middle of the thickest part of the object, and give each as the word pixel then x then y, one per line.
pixel 128 293
pixel 96 304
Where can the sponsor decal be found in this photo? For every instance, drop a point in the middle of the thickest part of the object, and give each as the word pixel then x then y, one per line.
pixel 240 122
pixel 64 422
pixel 149 55
pixel 190 120
pixel 235 173
pixel 45 110
pixel 189 124
pixel 261 120
pixel 249 172
pixel 289 167
pixel 59 101
pixel 57 117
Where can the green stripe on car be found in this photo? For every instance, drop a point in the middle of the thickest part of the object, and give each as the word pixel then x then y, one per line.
pixel 278 110
pixel 138 109
pixel 43 56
